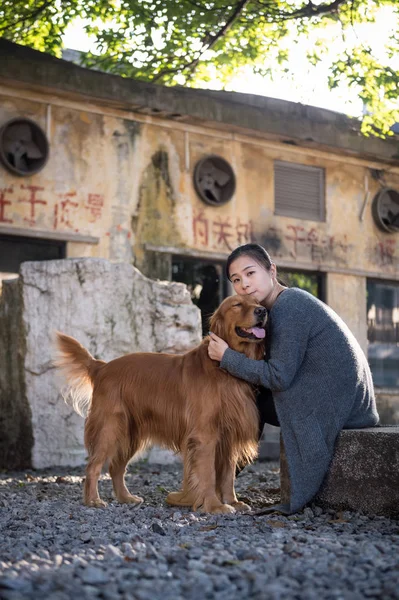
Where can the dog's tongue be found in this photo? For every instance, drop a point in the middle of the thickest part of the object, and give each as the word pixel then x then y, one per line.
pixel 258 332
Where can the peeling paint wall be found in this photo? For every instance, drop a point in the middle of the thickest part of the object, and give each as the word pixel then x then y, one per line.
pixel 346 294
pixel 129 183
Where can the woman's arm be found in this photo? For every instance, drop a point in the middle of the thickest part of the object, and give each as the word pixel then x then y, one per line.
pixel 289 339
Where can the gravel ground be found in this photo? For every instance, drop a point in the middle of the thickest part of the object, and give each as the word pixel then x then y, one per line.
pixel 53 547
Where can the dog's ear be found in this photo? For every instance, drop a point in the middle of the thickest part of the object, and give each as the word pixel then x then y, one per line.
pixel 216 324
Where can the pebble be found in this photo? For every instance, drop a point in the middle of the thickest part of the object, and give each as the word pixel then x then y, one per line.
pixel 54 548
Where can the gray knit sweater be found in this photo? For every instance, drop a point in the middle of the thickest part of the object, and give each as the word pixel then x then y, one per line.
pixel 321 383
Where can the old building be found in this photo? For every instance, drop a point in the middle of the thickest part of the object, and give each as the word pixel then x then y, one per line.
pixel 172 179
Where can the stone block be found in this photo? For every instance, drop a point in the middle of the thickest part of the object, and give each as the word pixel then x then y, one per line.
pixel 363 475
pixel 112 309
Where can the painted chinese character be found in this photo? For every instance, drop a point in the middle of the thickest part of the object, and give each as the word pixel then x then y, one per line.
pixel 200 229
pixel 95 203
pixel 245 234
pixel 221 229
pixel 32 200
pixel 3 203
pixel 62 211
pixel 297 237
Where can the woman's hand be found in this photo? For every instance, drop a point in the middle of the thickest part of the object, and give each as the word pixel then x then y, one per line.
pixel 217 347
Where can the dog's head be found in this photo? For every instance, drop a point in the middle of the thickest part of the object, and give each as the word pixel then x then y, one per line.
pixel 240 321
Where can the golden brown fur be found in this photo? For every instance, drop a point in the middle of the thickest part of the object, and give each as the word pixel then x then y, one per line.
pixel 183 402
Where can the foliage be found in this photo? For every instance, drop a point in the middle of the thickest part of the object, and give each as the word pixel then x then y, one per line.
pixel 191 42
pixel 304 281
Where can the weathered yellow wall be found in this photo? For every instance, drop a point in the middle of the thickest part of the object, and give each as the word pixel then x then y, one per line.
pixel 128 181
pixel 346 294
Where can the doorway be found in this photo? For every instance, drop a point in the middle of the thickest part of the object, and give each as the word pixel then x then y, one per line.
pixel 205 281
pixel 15 250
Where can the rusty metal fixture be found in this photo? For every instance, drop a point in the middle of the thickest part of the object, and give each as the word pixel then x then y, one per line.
pixel 214 180
pixel 385 210
pixel 24 148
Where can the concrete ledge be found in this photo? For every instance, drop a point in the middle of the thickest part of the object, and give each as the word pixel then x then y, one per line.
pixel 268 118
pixel 363 475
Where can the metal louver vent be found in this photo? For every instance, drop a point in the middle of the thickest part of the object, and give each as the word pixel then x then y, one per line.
pixel 299 191
pixel 24 147
pixel 385 210
pixel 214 180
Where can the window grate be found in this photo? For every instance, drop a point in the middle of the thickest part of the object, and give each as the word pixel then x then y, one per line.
pixel 299 191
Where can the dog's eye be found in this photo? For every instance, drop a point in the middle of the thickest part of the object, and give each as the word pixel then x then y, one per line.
pixel 235 305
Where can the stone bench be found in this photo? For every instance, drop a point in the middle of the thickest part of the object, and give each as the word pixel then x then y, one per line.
pixel 363 475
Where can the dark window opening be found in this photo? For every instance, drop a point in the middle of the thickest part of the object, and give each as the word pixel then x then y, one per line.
pixel 383 332
pixel 15 250
pixel 206 283
pixel 312 282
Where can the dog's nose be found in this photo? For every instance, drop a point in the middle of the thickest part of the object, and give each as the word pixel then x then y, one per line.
pixel 260 312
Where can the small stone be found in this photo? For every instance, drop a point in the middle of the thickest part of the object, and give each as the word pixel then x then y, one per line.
pixel 128 551
pixel 112 553
pixel 152 552
pixel 158 529
pixel 93 575
pixel 58 560
pixel 151 573
pixel 91 590
pixel 78 561
pixel 85 536
pixel 288 547
pixel 17 585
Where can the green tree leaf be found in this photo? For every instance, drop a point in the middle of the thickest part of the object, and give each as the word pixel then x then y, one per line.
pixel 193 42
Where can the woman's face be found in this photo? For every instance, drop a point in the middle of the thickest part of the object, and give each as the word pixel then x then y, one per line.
pixel 250 278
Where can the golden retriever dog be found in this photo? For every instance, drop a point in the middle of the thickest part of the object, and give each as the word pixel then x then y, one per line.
pixel 182 402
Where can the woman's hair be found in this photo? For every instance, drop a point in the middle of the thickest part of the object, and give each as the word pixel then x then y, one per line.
pixel 255 251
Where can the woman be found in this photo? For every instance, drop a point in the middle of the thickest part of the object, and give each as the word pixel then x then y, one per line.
pixel 315 369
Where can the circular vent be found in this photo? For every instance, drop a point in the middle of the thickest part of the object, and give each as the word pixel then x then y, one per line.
pixel 386 210
pixel 214 180
pixel 24 148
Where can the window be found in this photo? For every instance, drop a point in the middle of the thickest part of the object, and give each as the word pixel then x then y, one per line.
pixel 16 249
pixel 205 281
pixel 299 191
pixel 312 282
pixel 383 332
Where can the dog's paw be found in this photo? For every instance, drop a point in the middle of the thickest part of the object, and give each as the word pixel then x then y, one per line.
pixel 130 499
pixel 223 509
pixel 241 506
pixel 181 498
pixel 97 503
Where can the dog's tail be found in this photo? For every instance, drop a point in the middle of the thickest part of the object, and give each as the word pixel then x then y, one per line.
pixel 79 368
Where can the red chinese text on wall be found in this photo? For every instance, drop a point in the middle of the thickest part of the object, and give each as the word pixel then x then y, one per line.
pixel 223 234
pixel 65 212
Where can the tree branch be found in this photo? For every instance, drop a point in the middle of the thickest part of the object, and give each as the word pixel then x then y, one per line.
pixel 175 70
pixel 211 40
pixel 313 10
pixel 214 38
pixel 215 8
